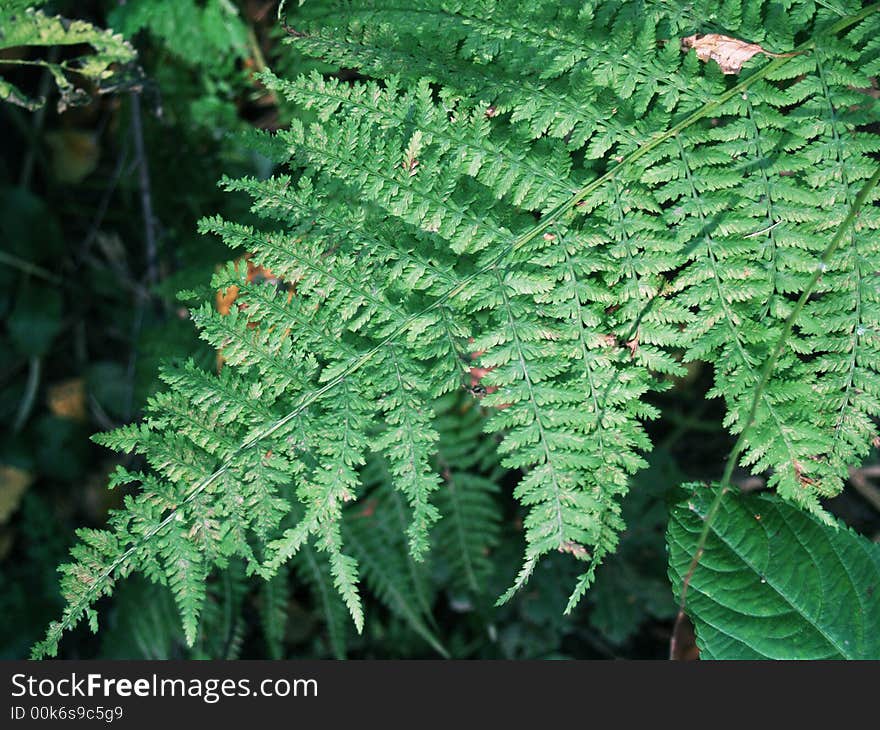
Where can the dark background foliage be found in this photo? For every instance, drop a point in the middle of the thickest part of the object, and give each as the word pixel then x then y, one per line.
pixel 98 211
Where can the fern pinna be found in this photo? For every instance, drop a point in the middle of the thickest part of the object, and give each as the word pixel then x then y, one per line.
pixel 557 193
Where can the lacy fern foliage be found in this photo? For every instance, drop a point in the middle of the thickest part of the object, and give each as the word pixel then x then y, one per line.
pixel 557 194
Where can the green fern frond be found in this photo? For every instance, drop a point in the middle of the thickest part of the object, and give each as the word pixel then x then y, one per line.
pixel 315 571
pixel 375 529
pixel 273 609
pixel 467 498
pixel 555 193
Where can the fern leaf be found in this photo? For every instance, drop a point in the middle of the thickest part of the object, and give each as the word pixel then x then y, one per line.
pixel 468 465
pixel 274 613
pixel 316 572
pixel 374 532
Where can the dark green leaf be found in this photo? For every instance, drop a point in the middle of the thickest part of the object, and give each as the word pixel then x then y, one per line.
pixel 774 582
pixel 35 320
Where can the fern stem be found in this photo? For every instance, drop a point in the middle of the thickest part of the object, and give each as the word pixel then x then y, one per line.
pixel 29 268
pixel 766 374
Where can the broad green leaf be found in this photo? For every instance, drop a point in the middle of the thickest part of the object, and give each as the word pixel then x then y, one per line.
pixel 774 582
pixel 30 233
pixel 35 321
pixel 108 383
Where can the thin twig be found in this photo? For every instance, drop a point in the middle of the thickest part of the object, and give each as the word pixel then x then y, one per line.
pixel 146 197
pixel 100 415
pixel 104 204
pixel 27 170
pixel 137 325
pixel 141 299
pixel 26 405
pixel 859 479
pixel 256 51
pixel 28 268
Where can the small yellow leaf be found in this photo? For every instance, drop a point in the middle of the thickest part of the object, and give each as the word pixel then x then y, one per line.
pixel 67 399
pixel 74 154
pixel 729 53
pixel 13 484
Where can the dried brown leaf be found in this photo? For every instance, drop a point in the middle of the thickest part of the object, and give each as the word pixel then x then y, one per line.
pixel 67 399
pixel 576 549
pixel 729 53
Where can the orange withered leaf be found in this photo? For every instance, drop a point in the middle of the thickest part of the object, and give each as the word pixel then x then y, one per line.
pixel 729 53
